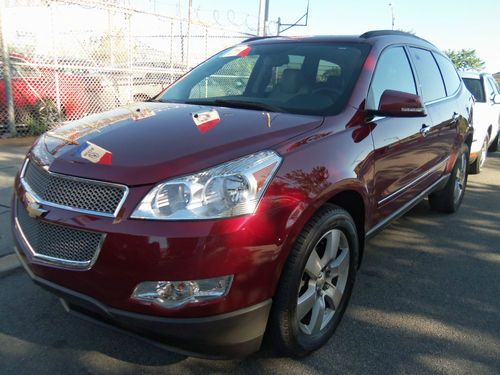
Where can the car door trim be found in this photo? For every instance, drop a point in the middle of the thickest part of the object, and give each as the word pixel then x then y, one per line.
pixel 408 206
pixel 414 182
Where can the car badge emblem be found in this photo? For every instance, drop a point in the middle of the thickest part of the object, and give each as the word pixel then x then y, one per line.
pixel 32 206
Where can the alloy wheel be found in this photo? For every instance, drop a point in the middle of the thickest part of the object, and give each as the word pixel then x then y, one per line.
pixel 460 178
pixel 323 282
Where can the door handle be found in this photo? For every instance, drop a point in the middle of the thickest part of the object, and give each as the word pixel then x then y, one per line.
pixel 425 129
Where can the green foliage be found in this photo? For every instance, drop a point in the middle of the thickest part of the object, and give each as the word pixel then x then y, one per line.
pixel 466 59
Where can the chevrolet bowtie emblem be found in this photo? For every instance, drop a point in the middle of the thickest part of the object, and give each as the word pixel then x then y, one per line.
pixel 32 206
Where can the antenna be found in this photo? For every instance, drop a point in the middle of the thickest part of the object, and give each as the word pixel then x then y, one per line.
pixel 393 17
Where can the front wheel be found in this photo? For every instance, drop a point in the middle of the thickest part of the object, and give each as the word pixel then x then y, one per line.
pixel 316 283
pixel 450 197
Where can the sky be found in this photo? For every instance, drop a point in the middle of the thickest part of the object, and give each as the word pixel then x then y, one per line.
pixel 449 24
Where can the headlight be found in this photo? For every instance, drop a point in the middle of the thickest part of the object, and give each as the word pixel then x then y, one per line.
pixel 230 189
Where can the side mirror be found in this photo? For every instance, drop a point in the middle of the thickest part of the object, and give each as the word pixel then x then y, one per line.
pixel 399 104
pixel 496 99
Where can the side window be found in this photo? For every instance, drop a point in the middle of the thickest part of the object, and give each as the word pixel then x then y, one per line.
pixel 327 69
pixel 490 88
pixel 230 79
pixel 428 74
pixel 450 75
pixel 495 84
pixel 475 87
pixel 393 72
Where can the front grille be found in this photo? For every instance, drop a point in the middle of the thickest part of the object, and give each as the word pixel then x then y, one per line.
pixel 77 193
pixel 57 243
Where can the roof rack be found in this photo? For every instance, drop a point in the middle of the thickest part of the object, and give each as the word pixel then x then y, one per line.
pixel 257 38
pixel 375 33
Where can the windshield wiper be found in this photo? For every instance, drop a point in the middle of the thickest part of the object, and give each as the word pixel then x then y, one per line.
pixel 237 104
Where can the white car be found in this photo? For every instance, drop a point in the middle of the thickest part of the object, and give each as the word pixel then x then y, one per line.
pixel 486 116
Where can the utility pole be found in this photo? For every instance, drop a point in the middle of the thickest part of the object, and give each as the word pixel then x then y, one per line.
pixel 263 17
pixel 11 118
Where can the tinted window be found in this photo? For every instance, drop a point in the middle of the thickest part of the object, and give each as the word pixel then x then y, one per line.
pixel 282 77
pixel 476 88
pixel 428 75
pixel 496 85
pixel 393 72
pixel 491 88
pixel 450 75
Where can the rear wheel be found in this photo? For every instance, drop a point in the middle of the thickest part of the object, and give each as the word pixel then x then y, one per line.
pixel 316 283
pixel 477 165
pixel 450 197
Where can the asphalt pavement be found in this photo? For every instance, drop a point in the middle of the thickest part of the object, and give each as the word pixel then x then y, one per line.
pixel 426 301
pixel 12 152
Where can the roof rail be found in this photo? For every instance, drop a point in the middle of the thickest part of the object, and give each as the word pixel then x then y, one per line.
pixel 258 38
pixel 374 33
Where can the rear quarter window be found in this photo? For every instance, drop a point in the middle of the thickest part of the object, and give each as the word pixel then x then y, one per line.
pixel 428 74
pixel 450 75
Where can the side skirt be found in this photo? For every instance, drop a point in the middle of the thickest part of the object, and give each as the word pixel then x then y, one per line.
pixel 408 206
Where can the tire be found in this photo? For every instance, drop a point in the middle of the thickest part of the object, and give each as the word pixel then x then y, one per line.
pixel 321 278
pixel 448 199
pixel 494 145
pixel 477 165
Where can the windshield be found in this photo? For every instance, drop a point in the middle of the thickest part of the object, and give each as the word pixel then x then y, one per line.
pixel 294 77
pixel 476 88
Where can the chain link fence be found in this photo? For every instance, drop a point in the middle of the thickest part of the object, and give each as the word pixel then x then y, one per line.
pixel 68 59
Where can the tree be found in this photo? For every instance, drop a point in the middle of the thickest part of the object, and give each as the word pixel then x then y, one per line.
pixel 466 59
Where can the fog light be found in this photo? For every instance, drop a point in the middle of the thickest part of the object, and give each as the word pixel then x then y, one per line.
pixel 173 294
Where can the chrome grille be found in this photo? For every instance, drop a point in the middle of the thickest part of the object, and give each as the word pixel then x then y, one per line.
pixel 76 193
pixel 57 243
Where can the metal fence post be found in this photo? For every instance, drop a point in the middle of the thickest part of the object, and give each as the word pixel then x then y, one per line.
pixel 55 61
pixel 11 117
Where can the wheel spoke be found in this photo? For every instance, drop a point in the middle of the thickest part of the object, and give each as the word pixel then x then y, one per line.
pixel 317 315
pixel 334 294
pixel 306 302
pixel 313 266
pixel 340 263
pixel 332 246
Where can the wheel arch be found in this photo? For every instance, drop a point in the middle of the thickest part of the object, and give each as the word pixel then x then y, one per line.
pixel 352 201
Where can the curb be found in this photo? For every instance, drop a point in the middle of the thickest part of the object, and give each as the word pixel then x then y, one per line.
pixel 8 263
pixel 18 141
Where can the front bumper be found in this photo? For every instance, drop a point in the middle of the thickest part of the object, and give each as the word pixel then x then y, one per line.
pixel 229 335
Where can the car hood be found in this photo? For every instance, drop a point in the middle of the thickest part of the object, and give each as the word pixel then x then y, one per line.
pixel 145 143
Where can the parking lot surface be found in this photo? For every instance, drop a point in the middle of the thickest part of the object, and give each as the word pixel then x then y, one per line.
pixel 426 301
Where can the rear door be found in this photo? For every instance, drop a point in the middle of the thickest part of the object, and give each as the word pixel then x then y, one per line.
pixel 401 156
pixel 441 106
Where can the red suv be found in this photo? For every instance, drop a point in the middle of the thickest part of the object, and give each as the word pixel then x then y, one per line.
pixel 239 200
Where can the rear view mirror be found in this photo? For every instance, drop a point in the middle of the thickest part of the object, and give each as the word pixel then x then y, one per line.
pixel 496 99
pixel 400 104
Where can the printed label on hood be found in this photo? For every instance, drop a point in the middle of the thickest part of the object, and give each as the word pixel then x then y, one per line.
pixel 206 120
pixel 96 154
